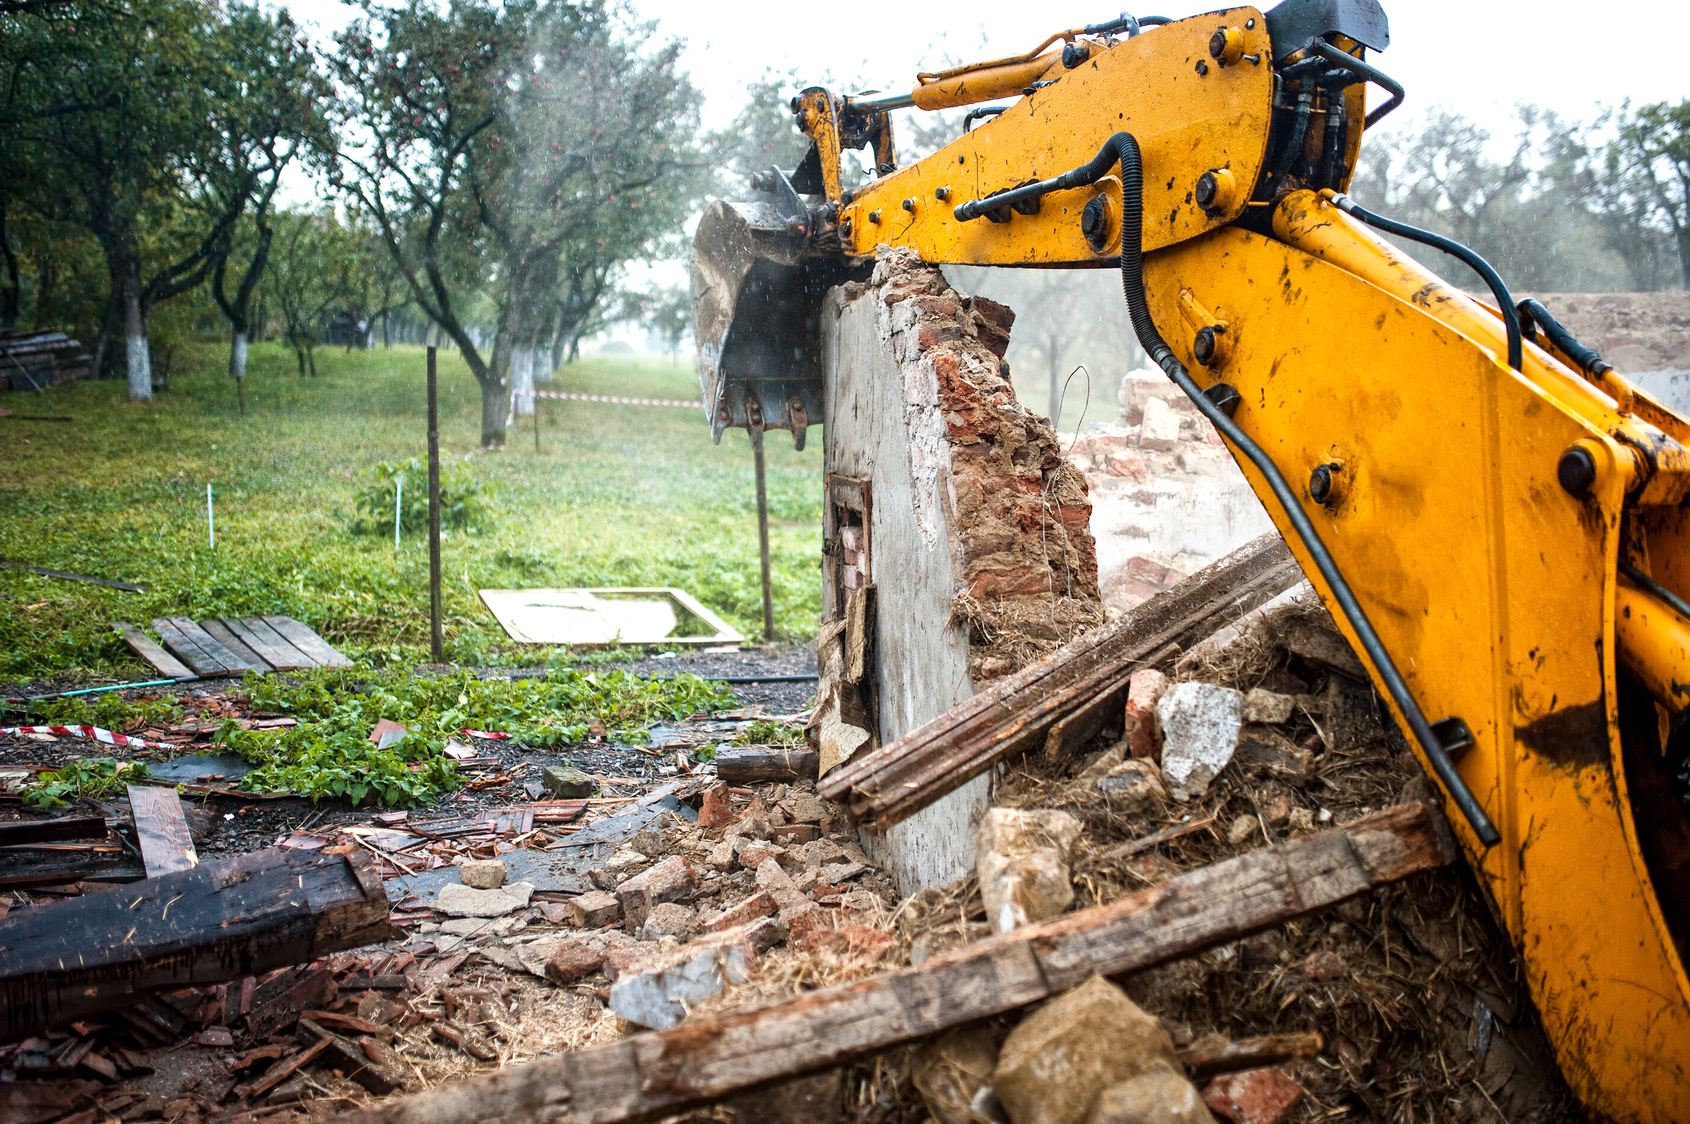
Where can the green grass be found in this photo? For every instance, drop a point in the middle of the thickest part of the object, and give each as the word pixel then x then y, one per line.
pixel 617 495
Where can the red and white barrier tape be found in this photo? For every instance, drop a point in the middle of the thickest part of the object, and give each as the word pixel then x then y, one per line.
pixel 621 401
pixel 94 732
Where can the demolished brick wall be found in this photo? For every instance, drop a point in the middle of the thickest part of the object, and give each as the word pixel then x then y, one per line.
pixel 1167 497
pixel 1018 514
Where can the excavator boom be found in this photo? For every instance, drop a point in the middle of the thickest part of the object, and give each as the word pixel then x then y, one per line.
pixel 1495 518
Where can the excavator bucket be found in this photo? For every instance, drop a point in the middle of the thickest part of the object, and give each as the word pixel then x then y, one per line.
pixel 757 292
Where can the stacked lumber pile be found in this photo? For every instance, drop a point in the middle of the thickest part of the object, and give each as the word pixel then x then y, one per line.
pixel 37 360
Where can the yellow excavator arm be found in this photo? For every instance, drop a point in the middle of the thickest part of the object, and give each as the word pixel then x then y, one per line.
pixel 1494 517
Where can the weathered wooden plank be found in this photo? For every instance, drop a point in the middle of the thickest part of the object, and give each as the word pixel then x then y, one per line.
pixel 85 956
pixel 199 648
pixel 307 641
pixel 239 648
pixel 161 830
pixel 904 776
pixel 144 646
pixel 1204 1062
pixel 54 864
pixel 652 1075
pixel 759 763
pixel 267 642
pixel 52 831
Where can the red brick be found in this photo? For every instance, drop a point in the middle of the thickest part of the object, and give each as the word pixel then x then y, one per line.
pixel 1143 689
pixel 1256 1096
pixel 573 963
pixel 668 881
pixel 758 905
pixel 712 811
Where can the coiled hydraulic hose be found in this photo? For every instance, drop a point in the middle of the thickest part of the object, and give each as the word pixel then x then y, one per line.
pixel 1122 148
pixel 1504 299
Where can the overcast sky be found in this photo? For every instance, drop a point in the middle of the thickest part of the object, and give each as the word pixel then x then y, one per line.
pixel 1479 56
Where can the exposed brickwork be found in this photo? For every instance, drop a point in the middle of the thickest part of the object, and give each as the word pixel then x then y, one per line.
pixel 1019 512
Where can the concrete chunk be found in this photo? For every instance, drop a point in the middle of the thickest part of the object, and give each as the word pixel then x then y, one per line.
pixel 1200 726
pixel 1159 431
pixel 458 900
pixel 666 919
pixel 658 995
pixel 563 782
pixel 758 905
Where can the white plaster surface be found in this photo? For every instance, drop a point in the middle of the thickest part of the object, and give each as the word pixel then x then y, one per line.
pixel 884 424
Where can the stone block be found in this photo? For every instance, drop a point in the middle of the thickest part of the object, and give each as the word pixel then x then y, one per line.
pixel 1022 862
pixel 1256 1096
pixel 1053 1066
pixel 1159 1095
pixel 1200 727
pixel 1270 708
pixel 721 856
pixel 659 994
pixel 593 910
pixel 1159 431
pixel 564 782
pixel 1141 732
pixel 457 900
pixel 573 962
pixel 951 1072
pixel 1139 388
pixel 483 874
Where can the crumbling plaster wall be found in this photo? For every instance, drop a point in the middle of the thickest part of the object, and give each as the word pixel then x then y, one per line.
pixel 980 551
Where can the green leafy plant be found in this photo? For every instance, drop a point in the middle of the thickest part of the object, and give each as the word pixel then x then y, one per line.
pixel 463 502
pixel 329 753
pixel 108 711
pixel 96 778
pixel 761 731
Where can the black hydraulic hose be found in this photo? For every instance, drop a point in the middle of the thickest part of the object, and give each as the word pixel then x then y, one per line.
pixel 1305 107
pixel 974 115
pixel 1650 585
pixel 1504 299
pixel 1589 362
pixel 1123 148
pixel 1371 73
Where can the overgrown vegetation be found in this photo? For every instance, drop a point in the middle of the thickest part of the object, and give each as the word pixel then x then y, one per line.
pixel 403 485
pixel 617 495
pixel 95 778
pixel 329 754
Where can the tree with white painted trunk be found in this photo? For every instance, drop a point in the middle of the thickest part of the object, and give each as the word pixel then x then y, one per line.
pixel 140 123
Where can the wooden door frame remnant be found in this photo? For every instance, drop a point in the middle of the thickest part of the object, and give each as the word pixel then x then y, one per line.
pixel 852 494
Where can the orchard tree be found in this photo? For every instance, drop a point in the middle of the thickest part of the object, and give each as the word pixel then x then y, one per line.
pixel 137 123
pixel 523 152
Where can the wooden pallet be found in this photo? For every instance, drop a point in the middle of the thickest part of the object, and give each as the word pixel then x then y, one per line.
pixel 230 646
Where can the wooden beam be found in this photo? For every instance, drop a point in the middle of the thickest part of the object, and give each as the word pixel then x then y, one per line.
pixel 52 831
pixel 648 1076
pixel 302 637
pixel 86 956
pixel 54 864
pixel 1017 712
pixel 145 647
pixel 759 763
pixel 161 830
